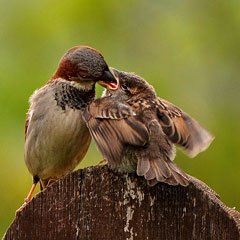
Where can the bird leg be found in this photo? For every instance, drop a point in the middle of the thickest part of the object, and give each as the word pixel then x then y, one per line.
pixel 29 196
pixel 26 200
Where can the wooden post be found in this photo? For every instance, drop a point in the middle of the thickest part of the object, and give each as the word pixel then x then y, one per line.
pixel 95 203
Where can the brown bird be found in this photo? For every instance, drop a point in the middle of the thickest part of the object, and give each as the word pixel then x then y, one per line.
pixel 136 131
pixel 56 136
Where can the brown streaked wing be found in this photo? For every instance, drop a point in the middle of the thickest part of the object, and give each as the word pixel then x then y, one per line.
pixel 107 108
pixel 183 130
pixel 113 131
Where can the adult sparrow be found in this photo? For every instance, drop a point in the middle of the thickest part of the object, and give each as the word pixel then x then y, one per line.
pixel 56 136
pixel 136 131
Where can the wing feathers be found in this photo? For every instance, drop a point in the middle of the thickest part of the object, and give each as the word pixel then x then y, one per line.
pixel 106 108
pixel 114 126
pixel 114 133
pixel 183 130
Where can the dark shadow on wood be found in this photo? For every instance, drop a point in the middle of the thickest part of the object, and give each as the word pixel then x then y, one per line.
pixel 95 203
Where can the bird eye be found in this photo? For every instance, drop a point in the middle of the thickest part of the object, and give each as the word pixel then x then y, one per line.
pixel 124 87
pixel 84 76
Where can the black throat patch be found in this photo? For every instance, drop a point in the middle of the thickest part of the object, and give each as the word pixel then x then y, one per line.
pixel 73 97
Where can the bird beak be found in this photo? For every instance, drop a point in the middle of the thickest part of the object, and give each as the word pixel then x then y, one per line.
pixel 109 80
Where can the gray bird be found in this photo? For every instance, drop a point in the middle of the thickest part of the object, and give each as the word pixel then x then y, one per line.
pixel 136 131
pixel 56 136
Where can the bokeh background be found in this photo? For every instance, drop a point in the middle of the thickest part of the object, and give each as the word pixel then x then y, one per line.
pixel 189 50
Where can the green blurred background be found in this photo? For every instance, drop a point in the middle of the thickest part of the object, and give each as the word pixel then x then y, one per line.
pixel 189 51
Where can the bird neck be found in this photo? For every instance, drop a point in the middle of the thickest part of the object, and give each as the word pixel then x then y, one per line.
pixel 72 95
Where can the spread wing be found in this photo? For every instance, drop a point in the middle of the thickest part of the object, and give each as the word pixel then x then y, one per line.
pixel 183 130
pixel 114 125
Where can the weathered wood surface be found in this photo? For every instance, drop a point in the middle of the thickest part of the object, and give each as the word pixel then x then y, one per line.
pixel 96 203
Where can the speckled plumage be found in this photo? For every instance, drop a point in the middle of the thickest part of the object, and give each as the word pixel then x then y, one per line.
pixel 136 131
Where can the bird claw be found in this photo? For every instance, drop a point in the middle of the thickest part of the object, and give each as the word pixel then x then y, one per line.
pixel 26 200
pixel 22 207
pixel 50 182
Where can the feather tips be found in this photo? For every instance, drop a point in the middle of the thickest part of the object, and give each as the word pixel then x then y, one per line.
pixel 183 130
pixel 114 131
pixel 161 170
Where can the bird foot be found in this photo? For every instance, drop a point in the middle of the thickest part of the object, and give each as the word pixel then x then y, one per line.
pixel 51 181
pixel 22 207
pixel 26 200
pixel 103 161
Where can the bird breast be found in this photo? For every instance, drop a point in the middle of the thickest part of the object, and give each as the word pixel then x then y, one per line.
pixel 57 139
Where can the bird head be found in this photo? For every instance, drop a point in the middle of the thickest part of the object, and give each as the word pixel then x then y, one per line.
pixel 129 86
pixel 84 66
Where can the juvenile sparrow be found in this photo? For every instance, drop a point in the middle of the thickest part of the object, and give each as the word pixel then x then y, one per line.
pixel 136 131
pixel 56 136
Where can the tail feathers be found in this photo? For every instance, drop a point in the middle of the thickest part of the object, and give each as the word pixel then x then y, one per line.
pixel 162 170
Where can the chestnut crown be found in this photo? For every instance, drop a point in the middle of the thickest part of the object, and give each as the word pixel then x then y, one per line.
pixel 83 63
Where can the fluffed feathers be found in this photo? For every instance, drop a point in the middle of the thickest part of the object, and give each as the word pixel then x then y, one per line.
pixel 133 127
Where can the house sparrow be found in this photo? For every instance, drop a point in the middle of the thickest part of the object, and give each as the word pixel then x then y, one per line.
pixel 56 136
pixel 136 131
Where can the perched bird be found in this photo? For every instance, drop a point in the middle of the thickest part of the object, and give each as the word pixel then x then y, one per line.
pixel 56 136
pixel 136 131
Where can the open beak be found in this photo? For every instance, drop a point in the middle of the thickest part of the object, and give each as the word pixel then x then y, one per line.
pixel 109 80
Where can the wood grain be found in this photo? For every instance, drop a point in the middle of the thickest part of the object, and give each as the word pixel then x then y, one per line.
pixel 95 203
